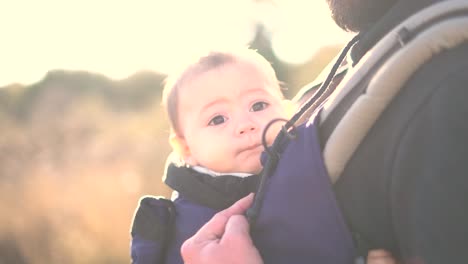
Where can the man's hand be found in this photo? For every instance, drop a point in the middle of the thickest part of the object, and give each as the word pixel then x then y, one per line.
pixel 224 239
pixel 380 256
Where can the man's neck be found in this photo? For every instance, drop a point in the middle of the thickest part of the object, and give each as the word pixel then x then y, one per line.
pixel 400 11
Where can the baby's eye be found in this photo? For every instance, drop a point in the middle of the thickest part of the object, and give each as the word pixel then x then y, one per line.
pixel 217 120
pixel 259 106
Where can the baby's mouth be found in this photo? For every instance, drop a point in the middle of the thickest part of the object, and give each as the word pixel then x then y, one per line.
pixel 252 147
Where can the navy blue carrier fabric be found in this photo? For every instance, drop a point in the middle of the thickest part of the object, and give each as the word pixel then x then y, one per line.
pixel 299 222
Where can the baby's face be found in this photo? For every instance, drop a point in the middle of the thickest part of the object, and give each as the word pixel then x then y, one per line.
pixel 222 114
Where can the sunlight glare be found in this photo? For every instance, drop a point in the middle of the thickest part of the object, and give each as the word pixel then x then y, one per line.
pixel 118 38
pixel 115 38
pixel 305 27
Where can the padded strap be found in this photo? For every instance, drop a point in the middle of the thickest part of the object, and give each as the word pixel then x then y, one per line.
pixel 386 68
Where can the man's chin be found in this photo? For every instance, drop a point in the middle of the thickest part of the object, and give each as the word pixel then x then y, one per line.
pixel 358 15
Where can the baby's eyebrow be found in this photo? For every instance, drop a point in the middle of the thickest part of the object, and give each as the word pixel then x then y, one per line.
pixel 267 91
pixel 257 90
pixel 212 104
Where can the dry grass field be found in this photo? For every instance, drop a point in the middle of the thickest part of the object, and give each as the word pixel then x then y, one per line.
pixel 77 150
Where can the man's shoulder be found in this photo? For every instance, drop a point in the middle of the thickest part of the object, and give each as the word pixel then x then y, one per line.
pixel 409 65
pixel 436 79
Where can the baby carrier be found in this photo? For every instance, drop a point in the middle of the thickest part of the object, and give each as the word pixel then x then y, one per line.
pixel 357 103
pixel 299 220
pixel 349 114
pixel 369 88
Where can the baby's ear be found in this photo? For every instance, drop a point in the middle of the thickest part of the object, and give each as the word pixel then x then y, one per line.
pixel 180 147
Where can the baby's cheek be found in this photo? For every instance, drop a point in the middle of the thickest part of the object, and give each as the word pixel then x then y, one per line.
pixel 273 131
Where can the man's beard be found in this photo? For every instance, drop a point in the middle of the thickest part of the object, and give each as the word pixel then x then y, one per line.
pixel 358 15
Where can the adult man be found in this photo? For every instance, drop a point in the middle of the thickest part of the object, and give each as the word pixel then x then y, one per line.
pixel 404 189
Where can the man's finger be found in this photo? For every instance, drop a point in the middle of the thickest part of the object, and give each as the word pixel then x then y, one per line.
pixel 379 253
pixel 237 227
pixel 239 207
pixel 380 256
pixel 214 229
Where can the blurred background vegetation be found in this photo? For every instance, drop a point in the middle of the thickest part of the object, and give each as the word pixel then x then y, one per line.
pixel 78 149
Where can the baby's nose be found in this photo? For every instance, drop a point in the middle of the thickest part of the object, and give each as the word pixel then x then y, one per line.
pixel 246 128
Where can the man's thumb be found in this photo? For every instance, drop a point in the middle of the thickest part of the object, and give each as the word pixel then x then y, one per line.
pixel 237 227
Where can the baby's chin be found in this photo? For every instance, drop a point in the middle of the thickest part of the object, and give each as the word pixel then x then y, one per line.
pixel 253 169
pixel 257 170
pixel 241 166
pixel 250 162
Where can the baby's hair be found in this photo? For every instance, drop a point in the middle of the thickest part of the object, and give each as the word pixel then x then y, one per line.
pixel 209 61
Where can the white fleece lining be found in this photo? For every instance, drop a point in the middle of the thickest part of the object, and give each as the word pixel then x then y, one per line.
pixel 217 174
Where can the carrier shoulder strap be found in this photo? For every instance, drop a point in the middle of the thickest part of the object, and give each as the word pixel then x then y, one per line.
pixel 368 88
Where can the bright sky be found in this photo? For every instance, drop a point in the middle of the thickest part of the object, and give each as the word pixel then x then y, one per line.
pixel 119 37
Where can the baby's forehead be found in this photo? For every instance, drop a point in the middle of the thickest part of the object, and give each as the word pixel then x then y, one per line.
pixel 257 67
pixel 245 73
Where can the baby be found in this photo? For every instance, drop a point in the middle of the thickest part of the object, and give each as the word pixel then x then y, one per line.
pixel 218 108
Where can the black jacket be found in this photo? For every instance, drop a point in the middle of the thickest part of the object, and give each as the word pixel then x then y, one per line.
pixel 406 187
